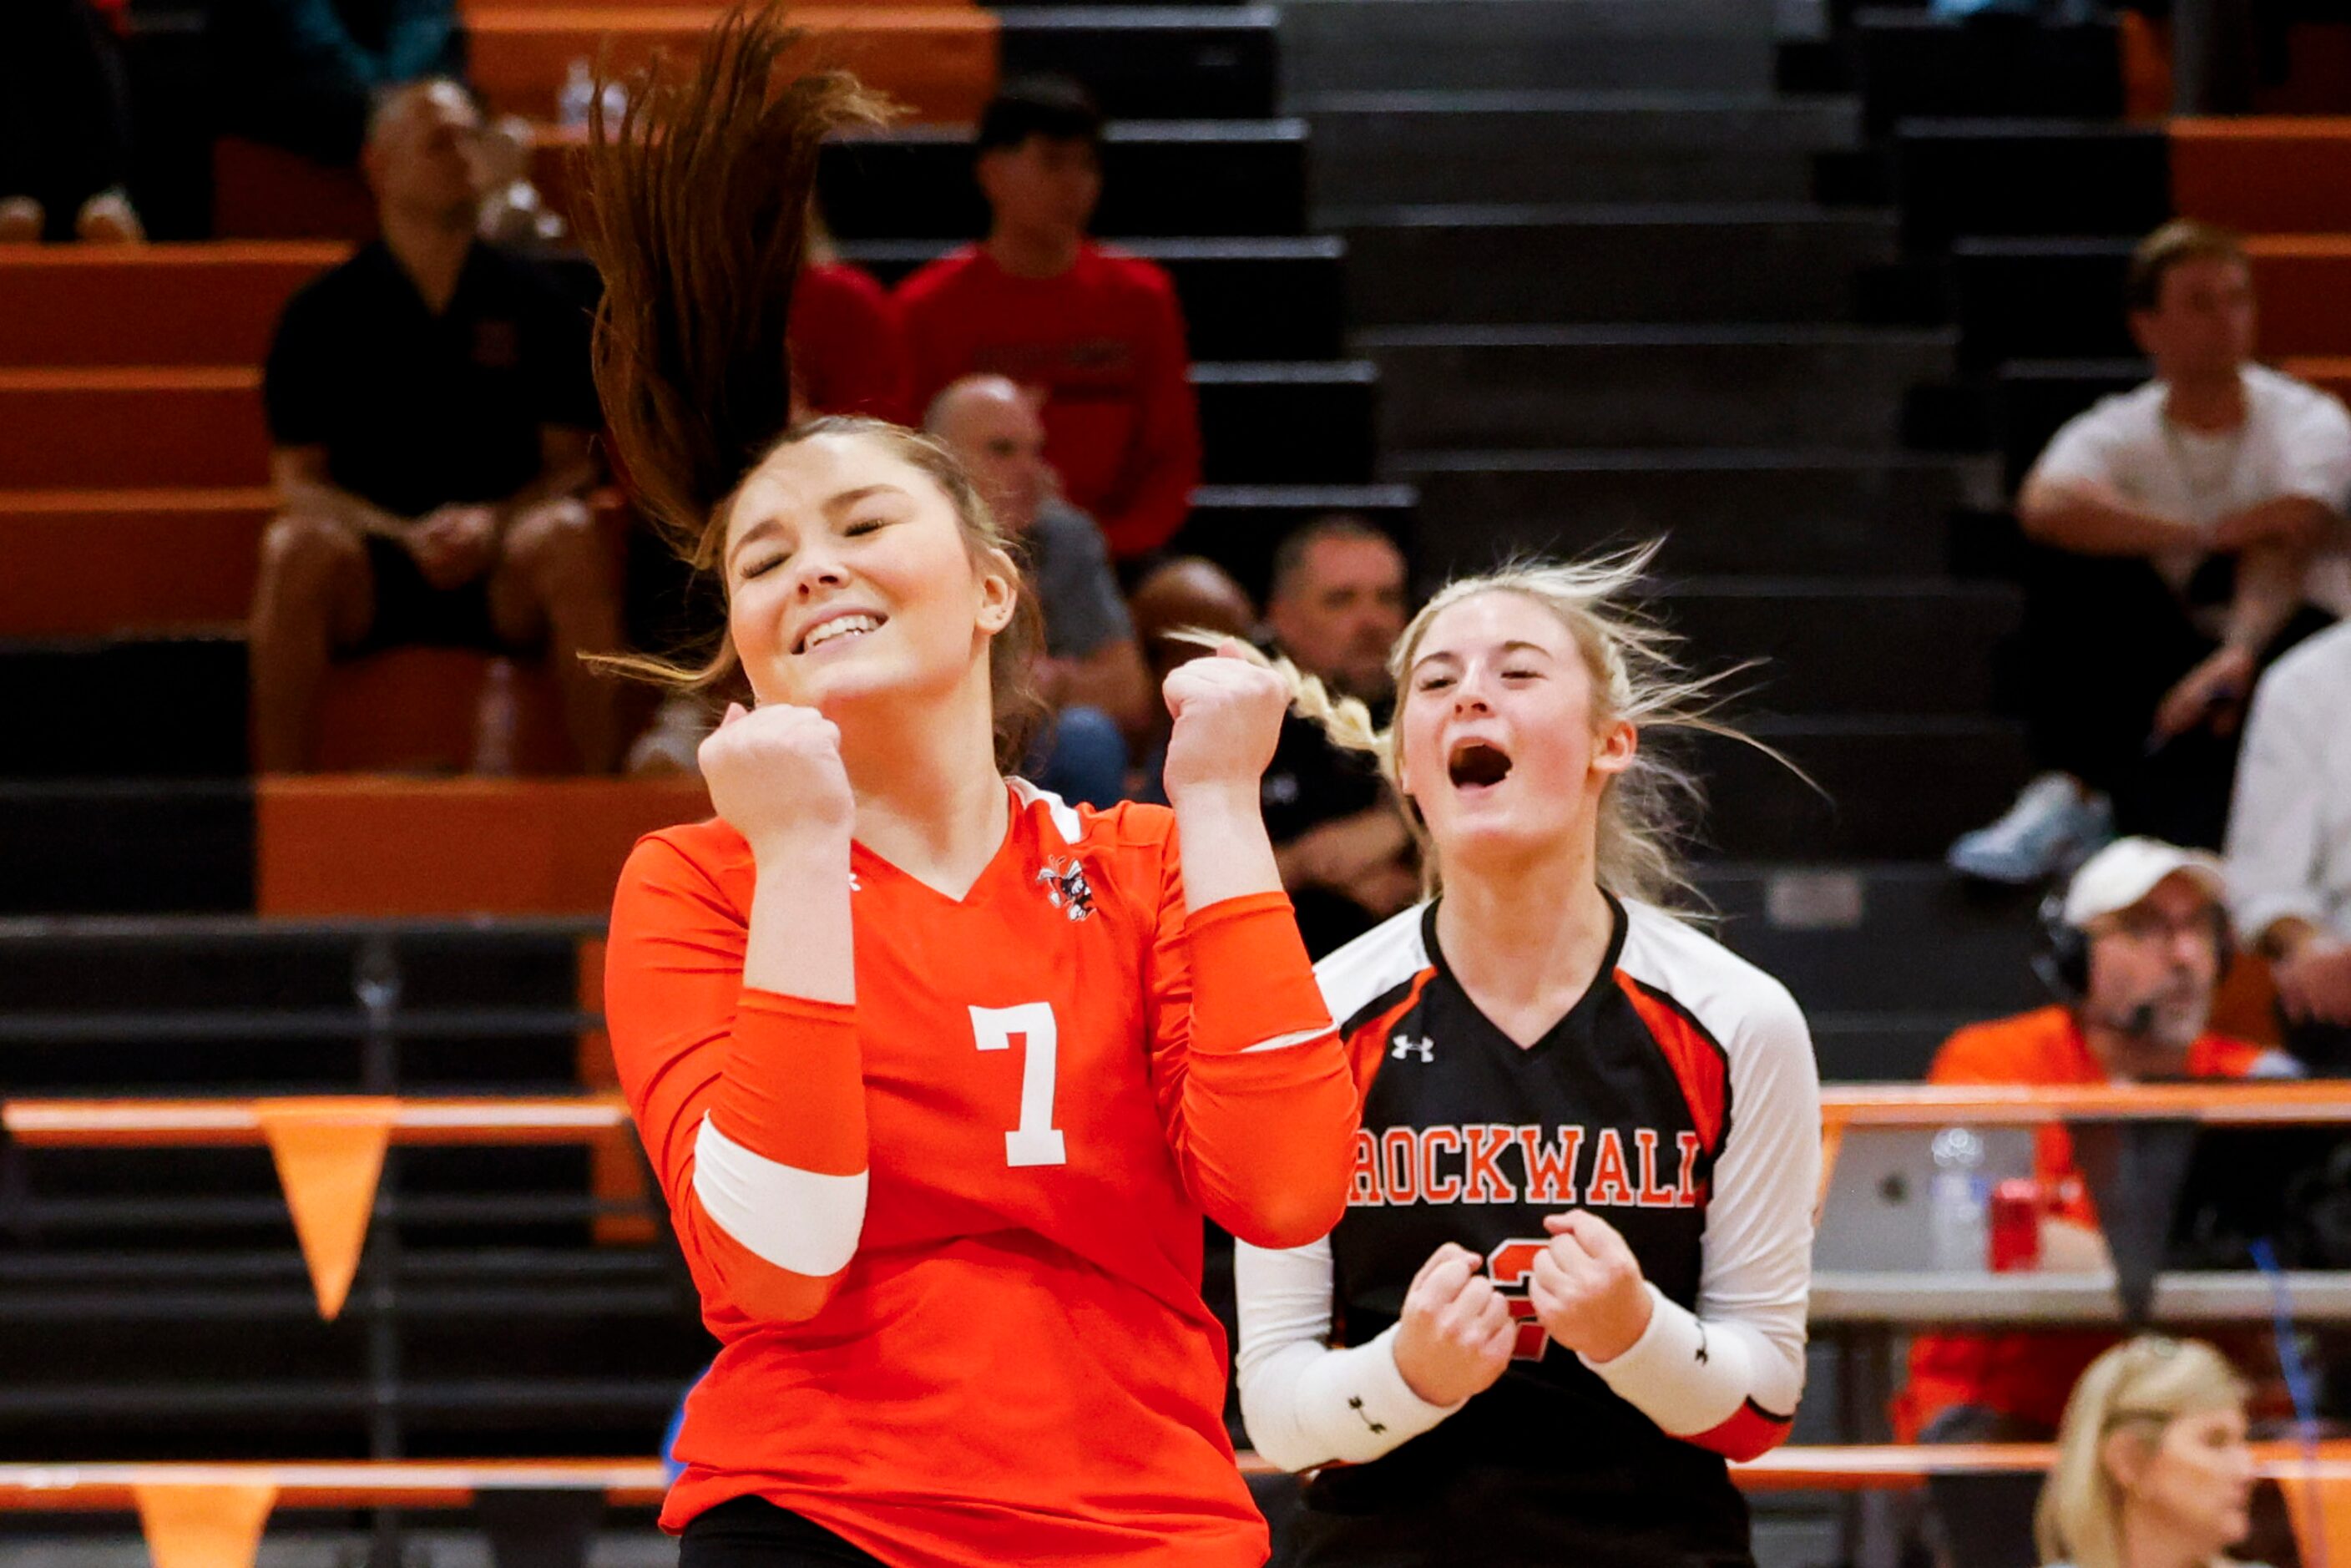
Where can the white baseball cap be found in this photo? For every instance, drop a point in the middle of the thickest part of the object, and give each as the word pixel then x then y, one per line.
pixel 2129 869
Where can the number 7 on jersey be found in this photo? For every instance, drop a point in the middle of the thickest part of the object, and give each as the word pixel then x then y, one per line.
pixel 1036 1141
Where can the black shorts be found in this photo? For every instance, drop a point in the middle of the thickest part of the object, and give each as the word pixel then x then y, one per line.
pixel 752 1533
pixel 410 612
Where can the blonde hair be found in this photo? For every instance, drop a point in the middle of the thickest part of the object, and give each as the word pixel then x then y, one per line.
pixel 1646 812
pixel 2149 1383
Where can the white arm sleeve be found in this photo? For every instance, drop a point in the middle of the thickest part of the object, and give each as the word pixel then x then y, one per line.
pixel 2274 831
pixel 2316 454
pixel 1306 1404
pixel 1728 1376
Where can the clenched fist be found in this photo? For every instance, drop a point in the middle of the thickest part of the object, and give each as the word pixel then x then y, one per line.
pixel 1228 712
pixel 1455 1336
pixel 776 776
pixel 1587 1287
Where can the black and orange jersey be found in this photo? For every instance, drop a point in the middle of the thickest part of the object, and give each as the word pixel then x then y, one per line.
pixel 1678 1101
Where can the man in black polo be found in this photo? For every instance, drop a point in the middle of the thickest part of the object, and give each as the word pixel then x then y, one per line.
pixel 431 411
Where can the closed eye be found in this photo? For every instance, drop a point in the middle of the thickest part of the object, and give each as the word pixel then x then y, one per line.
pixel 762 566
pixel 1434 683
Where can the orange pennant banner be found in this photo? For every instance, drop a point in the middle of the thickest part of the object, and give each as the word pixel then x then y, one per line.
pixel 329 1154
pixel 203 1526
pixel 2320 1506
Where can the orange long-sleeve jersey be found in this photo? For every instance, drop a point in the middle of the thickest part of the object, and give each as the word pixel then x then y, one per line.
pixel 949 1236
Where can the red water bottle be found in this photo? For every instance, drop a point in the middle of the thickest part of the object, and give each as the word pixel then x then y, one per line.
pixel 2012 1227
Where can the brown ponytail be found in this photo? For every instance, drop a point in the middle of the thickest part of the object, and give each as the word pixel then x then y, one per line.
pixel 698 217
pixel 701 212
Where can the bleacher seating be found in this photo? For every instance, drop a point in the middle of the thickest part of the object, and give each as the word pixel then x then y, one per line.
pixel 1500 274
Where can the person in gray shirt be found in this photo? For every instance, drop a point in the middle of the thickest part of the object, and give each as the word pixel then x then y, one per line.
pixel 1092 673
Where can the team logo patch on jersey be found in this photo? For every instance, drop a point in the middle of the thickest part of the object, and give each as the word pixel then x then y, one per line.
pixel 1066 888
pixel 1404 1047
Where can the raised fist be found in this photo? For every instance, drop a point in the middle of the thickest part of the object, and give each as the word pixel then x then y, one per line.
pixel 1228 712
pixel 776 776
pixel 1455 1336
pixel 1587 1287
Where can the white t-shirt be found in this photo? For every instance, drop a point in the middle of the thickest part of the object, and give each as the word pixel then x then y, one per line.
pixel 2295 441
pixel 2290 827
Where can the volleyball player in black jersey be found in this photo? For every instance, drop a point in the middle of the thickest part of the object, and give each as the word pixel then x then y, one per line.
pixel 1571 1281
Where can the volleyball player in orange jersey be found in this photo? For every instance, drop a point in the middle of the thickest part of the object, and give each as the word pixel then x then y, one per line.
pixel 939 1074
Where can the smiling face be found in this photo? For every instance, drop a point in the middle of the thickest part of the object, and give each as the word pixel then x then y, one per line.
pixel 849 578
pixel 1501 743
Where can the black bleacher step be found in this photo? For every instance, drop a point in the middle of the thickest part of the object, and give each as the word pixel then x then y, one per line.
pixel 1712 386
pixel 1896 789
pixel 2037 396
pixel 1240 527
pixel 1539 146
pixel 271 965
pixel 1187 178
pixel 1910 63
pixel 1881 939
pixel 1485 264
pixel 1243 297
pixel 107 846
pixel 1849 645
pixel 1478 506
pixel 1974 177
pixel 1704 46
pixel 126 708
pixel 1708 544
pixel 1150 61
pixel 1875 1048
pixel 1287 423
pixel 2041 299
pixel 97 1420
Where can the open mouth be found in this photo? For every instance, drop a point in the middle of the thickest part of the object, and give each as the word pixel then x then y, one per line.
pixel 1478 764
pixel 837 629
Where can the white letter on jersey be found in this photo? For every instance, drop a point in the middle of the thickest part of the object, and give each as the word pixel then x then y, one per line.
pixel 1036 1141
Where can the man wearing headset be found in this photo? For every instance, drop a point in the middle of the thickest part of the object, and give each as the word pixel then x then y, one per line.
pixel 2134 948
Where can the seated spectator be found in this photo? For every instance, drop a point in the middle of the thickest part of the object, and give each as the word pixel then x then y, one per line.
pixel 65 125
pixel 1186 593
pixel 2190 531
pixel 2137 942
pixel 2153 1467
pixel 2290 843
pixel 305 75
pixel 1092 675
pixel 1336 608
pixel 1098 331
pixel 849 347
pixel 430 409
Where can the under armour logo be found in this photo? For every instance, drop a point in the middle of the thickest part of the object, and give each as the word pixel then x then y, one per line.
pixel 855 886
pixel 1355 1403
pixel 1404 1045
pixel 1066 888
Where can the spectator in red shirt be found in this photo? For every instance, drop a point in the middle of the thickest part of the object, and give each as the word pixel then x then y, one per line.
pixel 849 347
pixel 1097 330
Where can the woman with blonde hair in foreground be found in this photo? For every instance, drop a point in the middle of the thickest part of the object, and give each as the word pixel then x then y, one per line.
pixel 2153 1469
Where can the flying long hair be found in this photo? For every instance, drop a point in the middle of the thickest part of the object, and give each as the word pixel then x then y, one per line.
pixel 698 208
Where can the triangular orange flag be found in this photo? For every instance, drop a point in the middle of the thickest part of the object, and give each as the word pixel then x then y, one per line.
pixel 2321 1511
pixel 329 1154
pixel 203 1526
